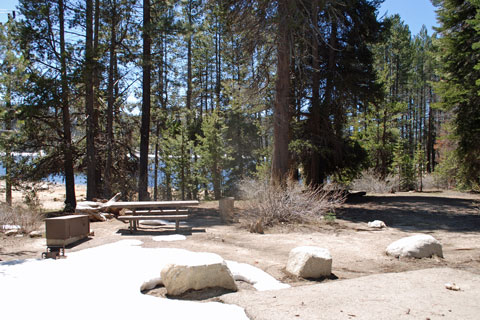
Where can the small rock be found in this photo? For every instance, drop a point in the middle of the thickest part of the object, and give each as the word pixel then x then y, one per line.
pixel 309 262
pixel 452 286
pixel 417 246
pixel 42 187
pixel 378 224
pixel 11 232
pixel 36 234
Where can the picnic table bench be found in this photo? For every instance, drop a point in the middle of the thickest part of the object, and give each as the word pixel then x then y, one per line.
pixel 153 210
pixel 159 211
pixel 133 220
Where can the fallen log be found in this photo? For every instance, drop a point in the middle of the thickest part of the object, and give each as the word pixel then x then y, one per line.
pixel 99 210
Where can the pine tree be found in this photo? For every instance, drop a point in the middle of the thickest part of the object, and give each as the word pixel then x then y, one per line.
pixel 213 150
pixel 146 103
pixel 459 38
pixel 12 77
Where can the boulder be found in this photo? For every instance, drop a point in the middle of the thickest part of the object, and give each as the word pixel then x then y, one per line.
pixel 378 224
pixel 417 246
pixel 201 270
pixel 309 262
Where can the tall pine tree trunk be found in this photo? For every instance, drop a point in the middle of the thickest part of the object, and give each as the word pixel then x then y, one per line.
pixel 70 201
pixel 315 171
pixel 110 104
pixel 157 147
pixel 145 125
pixel 8 152
pixel 281 114
pixel 89 110
pixel 96 107
pixel 158 121
pixel 189 58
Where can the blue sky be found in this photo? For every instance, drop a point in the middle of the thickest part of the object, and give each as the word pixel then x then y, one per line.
pixel 415 13
pixel 6 5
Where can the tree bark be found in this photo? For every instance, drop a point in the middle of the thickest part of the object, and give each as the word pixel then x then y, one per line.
pixel 145 125
pixel 157 147
pixel 8 152
pixel 110 103
pixel 189 58
pixel 70 201
pixel 281 114
pixel 89 109
pixel 96 108
pixel 315 171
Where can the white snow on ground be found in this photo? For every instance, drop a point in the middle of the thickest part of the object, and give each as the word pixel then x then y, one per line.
pixel 160 222
pixel 106 282
pixel 260 280
pixel 171 237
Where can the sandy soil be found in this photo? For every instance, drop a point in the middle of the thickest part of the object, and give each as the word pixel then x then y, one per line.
pixel 358 255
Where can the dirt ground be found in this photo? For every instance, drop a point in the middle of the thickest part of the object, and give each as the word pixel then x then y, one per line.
pixel 452 218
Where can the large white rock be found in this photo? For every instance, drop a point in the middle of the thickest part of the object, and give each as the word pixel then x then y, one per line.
pixel 200 270
pixel 417 246
pixel 309 262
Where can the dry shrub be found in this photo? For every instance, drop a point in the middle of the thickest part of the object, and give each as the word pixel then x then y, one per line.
pixel 26 218
pixel 269 205
pixel 370 182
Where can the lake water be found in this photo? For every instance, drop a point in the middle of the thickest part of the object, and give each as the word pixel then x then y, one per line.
pixel 81 179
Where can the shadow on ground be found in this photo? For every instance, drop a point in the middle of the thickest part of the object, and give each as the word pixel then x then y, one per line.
pixel 422 213
pixel 199 219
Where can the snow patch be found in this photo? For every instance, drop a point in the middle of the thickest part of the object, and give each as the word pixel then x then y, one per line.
pixel 260 280
pixel 103 281
pixel 171 237
pixel 107 281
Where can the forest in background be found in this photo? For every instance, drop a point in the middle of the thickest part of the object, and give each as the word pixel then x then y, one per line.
pixel 204 94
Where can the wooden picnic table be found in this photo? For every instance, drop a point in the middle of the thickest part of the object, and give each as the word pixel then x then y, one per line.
pixel 152 204
pixel 145 207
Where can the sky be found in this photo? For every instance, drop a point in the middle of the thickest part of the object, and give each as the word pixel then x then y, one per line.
pixel 415 13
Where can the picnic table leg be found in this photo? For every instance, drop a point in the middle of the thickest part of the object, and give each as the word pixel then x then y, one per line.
pixel 177 224
pixel 130 226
